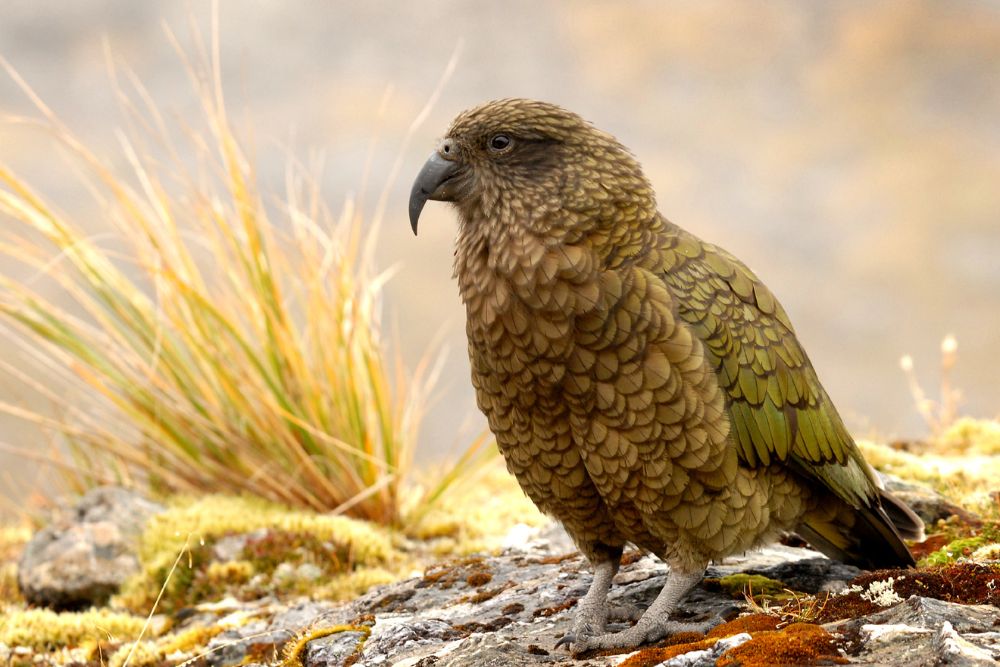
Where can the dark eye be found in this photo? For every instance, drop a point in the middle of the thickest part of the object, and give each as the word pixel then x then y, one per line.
pixel 500 142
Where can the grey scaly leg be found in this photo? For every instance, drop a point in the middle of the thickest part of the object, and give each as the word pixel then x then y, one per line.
pixel 654 624
pixel 592 611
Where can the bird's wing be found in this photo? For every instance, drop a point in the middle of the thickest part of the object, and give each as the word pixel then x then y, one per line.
pixel 778 410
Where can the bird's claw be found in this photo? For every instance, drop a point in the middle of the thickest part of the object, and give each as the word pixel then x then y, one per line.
pixel 632 638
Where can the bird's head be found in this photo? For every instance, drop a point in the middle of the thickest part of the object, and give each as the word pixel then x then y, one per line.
pixel 517 161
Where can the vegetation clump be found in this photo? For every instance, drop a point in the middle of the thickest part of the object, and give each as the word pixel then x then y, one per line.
pixel 796 644
pixel 43 630
pixel 335 546
pixel 758 586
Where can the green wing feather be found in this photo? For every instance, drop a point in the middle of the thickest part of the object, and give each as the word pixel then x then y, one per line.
pixel 779 411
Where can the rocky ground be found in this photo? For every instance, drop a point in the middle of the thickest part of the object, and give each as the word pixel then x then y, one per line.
pixel 782 605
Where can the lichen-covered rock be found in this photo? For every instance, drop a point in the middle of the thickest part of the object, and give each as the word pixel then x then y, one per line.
pixel 810 575
pixel 929 505
pixel 923 632
pixel 82 557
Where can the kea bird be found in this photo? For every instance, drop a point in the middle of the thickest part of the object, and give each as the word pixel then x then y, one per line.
pixel 644 386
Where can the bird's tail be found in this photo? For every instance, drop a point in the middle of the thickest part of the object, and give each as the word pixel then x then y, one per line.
pixel 868 537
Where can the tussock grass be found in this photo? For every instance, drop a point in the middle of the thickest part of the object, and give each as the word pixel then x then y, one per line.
pixel 230 344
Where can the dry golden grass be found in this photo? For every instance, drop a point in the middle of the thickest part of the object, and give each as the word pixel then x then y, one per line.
pixel 234 344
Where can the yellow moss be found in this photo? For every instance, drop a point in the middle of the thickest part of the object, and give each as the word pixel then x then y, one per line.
pixel 190 639
pixel 478 515
pixel 13 537
pixel 351 584
pixel 970 436
pixel 193 520
pixel 146 654
pixel 212 516
pixel 230 572
pixel 966 479
pixel 43 629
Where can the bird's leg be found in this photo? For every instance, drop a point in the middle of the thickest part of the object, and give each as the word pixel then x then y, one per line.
pixel 592 611
pixel 655 623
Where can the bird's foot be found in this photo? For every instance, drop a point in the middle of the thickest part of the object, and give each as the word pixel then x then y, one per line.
pixel 643 632
pixel 590 621
pixel 588 625
pixel 624 613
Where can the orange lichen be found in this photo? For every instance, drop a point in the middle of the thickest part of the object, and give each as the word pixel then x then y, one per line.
pixel 556 560
pixel 798 644
pixel 655 655
pixel 512 608
pixel 554 609
pixel 477 579
pixel 485 594
pixel 466 629
pixel 474 571
pixel 752 623
pixel 631 556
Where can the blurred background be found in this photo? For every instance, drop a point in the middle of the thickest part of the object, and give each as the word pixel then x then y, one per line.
pixel 849 152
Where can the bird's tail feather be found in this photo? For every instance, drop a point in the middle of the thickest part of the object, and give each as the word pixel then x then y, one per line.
pixel 871 541
pixel 907 523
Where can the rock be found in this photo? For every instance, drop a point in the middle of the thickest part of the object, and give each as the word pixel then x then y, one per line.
pixel 512 609
pixel 923 632
pixel 85 554
pixel 810 575
pixel 925 501
pixel 333 650
pixel 954 650
pixel 921 612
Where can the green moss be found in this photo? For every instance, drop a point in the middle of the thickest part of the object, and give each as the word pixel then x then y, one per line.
pixel 41 629
pixel 954 550
pixel 738 585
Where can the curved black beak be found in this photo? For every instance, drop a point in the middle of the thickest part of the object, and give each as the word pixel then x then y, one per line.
pixel 433 182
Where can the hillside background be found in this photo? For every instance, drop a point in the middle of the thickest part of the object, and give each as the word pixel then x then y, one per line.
pixel 848 152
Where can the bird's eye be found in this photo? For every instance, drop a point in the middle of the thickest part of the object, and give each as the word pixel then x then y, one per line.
pixel 500 143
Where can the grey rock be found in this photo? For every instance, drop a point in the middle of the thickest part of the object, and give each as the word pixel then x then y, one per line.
pixel 921 612
pixel 928 504
pixel 272 626
pixel 332 650
pixel 955 650
pixel 82 557
pixel 922 632
pixel 810 575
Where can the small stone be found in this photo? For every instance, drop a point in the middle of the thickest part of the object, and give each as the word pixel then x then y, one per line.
pixel 84 555
pixel 332 650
